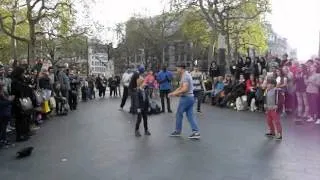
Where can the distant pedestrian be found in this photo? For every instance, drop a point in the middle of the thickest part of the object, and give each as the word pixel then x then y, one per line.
pixel 185 92
pixel 273 110
pixel 142 108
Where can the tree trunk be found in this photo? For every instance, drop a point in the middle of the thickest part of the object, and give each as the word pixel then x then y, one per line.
pixel 32 43
pixel 13 31
pixel 229 56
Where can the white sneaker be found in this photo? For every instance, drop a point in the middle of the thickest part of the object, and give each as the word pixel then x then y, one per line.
pixel 318 121
pixel 310 119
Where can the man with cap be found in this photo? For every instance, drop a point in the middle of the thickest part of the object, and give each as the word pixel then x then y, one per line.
pixel 133 89
pixel 185 92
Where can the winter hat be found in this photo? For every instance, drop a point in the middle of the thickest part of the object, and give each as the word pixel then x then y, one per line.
pixel 141 69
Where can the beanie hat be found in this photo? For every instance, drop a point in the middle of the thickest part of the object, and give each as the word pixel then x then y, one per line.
pixel 141 69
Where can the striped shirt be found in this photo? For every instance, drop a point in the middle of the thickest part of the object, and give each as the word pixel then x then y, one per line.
pixel 197 79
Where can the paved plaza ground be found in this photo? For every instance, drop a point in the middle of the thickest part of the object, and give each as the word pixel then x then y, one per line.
pixel 97 142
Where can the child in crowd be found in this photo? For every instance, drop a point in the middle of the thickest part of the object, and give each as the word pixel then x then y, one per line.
pixel 272 110
pixel 143 106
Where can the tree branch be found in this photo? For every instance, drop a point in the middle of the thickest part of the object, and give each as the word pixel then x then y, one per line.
pixel 4 29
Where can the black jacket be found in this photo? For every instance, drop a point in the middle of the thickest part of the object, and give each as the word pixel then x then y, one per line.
pixel 143 100
pixel 44 83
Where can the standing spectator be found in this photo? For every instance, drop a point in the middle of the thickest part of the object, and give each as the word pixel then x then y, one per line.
pixel 313 84
pixel 239 68
pixel 303 106
pixel 51 77
pixel 164 79
pixel 247 68
pixel 5 106
pixel 118 82
pixel 92 94
pixel 126 77
pixel 150 82
pixel 74 86
pixel 290 93
pixel 272 113
pixel 214 70
pixel 20 89
pixel 44 85
pixel 282 84
pixel 233 68
pixel 285 61
pixel 64 82
pixel 198 86
pixel 113 86
pixel 185 92
pixel 100 86
pixel 251 89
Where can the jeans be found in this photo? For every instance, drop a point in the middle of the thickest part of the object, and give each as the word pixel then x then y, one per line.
pixel 186 105
pixel 303 106
pixel 313 104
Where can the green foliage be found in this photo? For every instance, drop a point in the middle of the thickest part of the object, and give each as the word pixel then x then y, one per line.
pixel 254 35
pixel 196 29
pixel 66 18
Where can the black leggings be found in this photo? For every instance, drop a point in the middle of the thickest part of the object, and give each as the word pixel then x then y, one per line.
pixel 113 90
pixel 142 115
pixel 22 124
pixel 3 128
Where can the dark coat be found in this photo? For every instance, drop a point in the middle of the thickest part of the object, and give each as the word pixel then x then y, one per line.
pixel 143 104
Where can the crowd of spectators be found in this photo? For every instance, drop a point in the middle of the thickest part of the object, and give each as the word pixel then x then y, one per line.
pixel 245 86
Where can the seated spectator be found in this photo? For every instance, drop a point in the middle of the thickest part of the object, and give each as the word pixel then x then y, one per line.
pixel 238 90
pixel 217 92
pixel 207 84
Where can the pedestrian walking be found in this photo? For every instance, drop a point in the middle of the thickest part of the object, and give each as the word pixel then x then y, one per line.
pixel 273 109
pixel 143 107
pixel 185 92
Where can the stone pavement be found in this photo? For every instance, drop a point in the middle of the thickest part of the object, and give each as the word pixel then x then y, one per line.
pixel 97 142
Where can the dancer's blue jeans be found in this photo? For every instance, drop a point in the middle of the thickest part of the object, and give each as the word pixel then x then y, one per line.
pixel 186 105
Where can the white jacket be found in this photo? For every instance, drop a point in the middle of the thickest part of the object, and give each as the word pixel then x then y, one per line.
pixel 126 78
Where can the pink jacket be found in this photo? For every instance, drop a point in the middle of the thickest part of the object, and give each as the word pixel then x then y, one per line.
pixel 150 81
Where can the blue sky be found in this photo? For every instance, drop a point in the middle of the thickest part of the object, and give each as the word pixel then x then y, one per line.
pixel 298 21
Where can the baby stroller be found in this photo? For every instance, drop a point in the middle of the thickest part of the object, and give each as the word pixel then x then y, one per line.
pixel 62 106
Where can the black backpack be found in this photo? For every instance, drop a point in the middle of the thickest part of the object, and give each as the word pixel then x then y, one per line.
pixel 154 108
